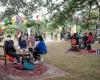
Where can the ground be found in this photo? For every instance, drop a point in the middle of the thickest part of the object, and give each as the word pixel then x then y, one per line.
pixel 77 67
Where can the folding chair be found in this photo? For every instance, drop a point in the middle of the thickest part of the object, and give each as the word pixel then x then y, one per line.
pixel 42 55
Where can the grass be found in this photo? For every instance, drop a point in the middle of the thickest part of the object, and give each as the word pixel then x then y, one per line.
pixel 80 67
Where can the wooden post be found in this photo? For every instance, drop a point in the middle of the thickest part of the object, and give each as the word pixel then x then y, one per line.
pixel 5 58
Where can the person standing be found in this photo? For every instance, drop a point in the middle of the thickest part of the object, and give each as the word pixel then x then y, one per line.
pixel 62 35
pixel 51 35
pixel 44 35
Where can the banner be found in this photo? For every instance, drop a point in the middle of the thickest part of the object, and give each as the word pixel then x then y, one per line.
pixel 6 21
pixel 13 21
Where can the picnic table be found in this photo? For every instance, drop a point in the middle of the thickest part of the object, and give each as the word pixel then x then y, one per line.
pixel 23 53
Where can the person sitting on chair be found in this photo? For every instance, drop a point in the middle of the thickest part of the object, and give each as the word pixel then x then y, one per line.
pixel 22 42
pixel 10 49
pixel 89 41
pixel 40 49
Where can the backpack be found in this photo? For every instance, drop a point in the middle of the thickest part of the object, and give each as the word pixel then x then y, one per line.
pixel 27 65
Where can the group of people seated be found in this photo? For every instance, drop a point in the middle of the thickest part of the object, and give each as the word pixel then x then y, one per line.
pixel 81 42
pixel 34 44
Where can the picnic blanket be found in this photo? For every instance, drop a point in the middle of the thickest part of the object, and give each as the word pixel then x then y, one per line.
pixel 93 51
pixel 43 71
pixel 12 69
pixel 86 52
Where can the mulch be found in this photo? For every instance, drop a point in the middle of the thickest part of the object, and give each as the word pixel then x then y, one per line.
pixel 43 71
pixel 13 70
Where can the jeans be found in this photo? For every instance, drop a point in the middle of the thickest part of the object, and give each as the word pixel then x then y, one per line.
pixel 30 50
pixel 15 55
pixel 89 46
pixel 36 55
pixel 85 45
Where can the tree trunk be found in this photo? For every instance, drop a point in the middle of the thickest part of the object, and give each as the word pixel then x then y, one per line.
pixel 98 5
pixel 90 5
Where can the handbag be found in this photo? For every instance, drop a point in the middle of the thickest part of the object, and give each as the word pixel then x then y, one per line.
pixel 27 65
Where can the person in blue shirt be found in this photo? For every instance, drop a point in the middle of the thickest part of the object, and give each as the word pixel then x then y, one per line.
pixel 40 49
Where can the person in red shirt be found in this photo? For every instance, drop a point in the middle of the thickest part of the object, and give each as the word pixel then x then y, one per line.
pixel 89 41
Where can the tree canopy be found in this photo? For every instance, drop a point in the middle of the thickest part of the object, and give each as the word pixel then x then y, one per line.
pixel 58 10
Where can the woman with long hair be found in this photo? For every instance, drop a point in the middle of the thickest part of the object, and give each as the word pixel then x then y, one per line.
pixel 40 49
